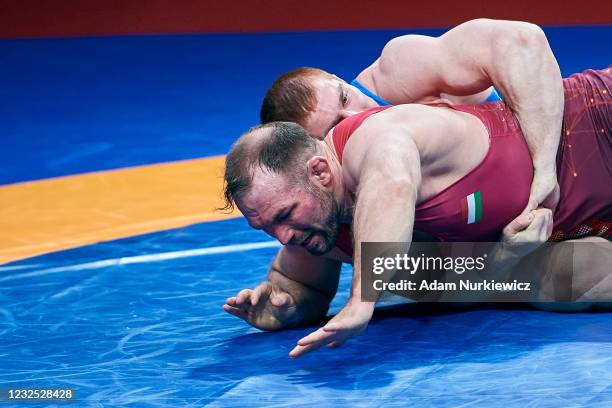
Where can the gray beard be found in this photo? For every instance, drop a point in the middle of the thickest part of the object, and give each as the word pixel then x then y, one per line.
pixel 332 223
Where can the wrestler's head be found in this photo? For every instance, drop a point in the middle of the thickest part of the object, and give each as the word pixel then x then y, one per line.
pixel 315 99
pixel 281 180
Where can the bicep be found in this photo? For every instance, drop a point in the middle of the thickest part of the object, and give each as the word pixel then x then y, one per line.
pixel 417 68
pixel 476 49
pixel 454 63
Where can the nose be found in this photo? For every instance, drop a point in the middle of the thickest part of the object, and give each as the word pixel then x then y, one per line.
pixel 283 234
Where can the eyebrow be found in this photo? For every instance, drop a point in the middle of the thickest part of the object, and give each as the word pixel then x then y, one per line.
pixel 341 92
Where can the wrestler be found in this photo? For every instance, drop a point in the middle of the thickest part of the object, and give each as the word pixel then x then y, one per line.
pixel 458 172
pixel 465 61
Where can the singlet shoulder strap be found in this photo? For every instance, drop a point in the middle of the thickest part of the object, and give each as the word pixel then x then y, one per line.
pixel 380 101
pixel 345 239
pixel 494 96
pixel 343 130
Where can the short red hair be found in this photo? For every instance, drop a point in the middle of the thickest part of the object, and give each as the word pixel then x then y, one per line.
pixel 291 98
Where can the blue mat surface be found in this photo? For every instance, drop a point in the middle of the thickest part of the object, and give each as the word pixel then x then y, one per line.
pixel 131 331
pixel 86 104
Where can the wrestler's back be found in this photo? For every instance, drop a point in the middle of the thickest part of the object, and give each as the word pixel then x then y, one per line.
pixel 475 167
pixel 451 143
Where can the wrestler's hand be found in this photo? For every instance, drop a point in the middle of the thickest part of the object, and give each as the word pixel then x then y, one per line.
pixel 350 322
pixel 544 192
pixel 267 307
pixel 533 227
pixel 523 235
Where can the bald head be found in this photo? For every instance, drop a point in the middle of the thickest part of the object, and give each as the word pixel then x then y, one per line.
pixel 278 147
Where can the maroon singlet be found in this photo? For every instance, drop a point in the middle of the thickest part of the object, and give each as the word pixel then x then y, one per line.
pixel 480 204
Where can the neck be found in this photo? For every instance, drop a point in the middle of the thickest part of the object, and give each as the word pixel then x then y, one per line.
pixel 342 194
pixel 366 79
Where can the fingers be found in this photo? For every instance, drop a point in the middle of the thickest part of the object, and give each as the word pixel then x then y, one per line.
pixel 282 299
pixel 243 296
pixel 332 327
pixel 248 298
pixel 232 301
pixel 301 350
pixel 232 308
pixel 235 311
pixel 547 223
pixel 519 223
pixel 312 342
pixel 532 204
pixel 262 290
pixel 550 224
pixel 315 340
pixel 542 224
pixel 314 337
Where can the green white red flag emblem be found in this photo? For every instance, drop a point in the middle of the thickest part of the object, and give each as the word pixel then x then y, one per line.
pixel 471 208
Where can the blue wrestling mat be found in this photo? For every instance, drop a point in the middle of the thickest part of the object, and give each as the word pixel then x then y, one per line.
pixel 138 321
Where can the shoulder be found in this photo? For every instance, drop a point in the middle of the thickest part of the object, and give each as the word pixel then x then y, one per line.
pixel 379 139
pixel 402 48
pixel 406 70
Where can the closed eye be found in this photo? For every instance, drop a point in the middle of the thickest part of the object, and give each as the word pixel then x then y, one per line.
pixel 286 214
pixel 283 217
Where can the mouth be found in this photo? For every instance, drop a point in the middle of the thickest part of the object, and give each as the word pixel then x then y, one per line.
pixel 306 243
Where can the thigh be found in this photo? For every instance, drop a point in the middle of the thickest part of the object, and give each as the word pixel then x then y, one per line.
pixel 575 275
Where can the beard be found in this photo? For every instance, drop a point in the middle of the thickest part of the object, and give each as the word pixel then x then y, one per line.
pixel 324 237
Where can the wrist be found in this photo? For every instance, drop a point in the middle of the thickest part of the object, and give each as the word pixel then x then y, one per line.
pixel 545 170
pixel 357 302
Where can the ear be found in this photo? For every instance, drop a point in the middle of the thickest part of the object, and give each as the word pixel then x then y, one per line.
pixel 319 171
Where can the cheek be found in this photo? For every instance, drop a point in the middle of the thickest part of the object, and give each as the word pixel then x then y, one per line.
pixel 359 102
pixel 309 213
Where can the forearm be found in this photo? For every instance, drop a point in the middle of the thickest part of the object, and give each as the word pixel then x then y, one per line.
pixel 395 224
pixel 388 181
pixel 311 304
pixel 516 58
pixel 526 72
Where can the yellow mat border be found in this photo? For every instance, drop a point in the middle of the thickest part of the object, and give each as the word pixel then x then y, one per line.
pixel 42 216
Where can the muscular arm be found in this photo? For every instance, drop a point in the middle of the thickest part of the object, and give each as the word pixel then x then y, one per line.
pixel 386 170
pixel 515 56
pixel 311 281
pixel 381 167
pixel 297 291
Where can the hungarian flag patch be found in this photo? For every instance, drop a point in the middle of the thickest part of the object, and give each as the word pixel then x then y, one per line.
pixel 471 208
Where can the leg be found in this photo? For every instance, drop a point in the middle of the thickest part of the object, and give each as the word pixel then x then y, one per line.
pixel 578 276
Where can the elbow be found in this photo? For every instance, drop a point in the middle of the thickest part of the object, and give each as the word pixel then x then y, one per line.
pixel 518 32
pixel 526 36
pixel 401 187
